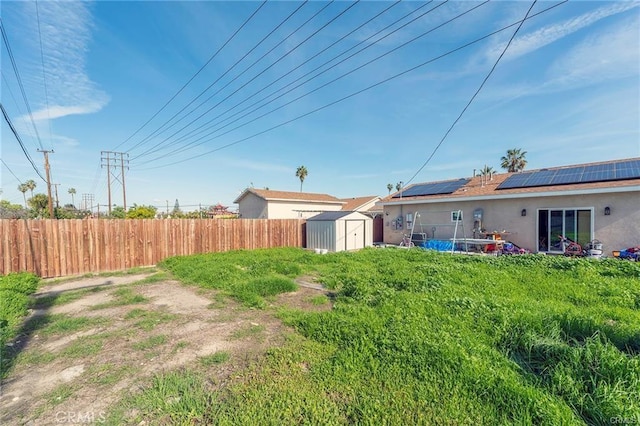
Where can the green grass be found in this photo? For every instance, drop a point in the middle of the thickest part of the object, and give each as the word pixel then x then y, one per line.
pixel 219 357
pixel 45 302
pixel 122 296
pixel 251 331
pixel 15 292
pixel 418 337
pixel 147 320
pixel 150 342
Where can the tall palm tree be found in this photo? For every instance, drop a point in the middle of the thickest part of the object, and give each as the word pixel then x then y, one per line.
pixel 399 186
pixel 301 173
pixel 389 187
pixel 72 191
pixel 514 161
pixel 23 188
pixel 31 185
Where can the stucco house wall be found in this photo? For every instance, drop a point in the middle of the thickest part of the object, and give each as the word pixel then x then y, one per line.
pixel 253 207
pixel 298 210
pixel 619 230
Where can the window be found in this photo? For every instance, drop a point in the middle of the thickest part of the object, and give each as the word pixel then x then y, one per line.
pixel 456 216
pixel 575 224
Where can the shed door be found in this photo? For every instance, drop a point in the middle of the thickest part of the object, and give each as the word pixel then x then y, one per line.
pixel 354 236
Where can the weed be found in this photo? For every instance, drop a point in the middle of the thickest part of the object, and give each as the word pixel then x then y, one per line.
pixel 252 331
pixel 215 358
pixel 150 342
pixel 122 296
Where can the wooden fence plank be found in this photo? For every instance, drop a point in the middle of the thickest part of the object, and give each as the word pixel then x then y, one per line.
pixel 51 248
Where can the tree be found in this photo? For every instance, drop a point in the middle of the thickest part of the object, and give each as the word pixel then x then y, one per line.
pixel 486 171
pixel 141 212
pixel 389 187
pixel 72 191
pixel 12 211
pixel 301 173
pixel 514 161
pixel 399 186
pixel 176 212
pixel 23 188
pixel 118 212
pixel 31 185
pixel 39 204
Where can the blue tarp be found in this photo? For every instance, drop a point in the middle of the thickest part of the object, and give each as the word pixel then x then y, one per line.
pixel 438 245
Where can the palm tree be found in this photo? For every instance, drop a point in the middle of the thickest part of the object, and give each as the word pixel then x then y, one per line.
pixel 514 161
pixel 486 171
pixel 72 191
pixel 301 173
pixel 389 187
pixel 23 188
pixel 31 185
pixel 399 186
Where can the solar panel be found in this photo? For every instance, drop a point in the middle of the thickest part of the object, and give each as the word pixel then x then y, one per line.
pixel 515 181
pixel 629 169
pixel 434 188
pixel 541 178
pixel 598 173
pixel 568 175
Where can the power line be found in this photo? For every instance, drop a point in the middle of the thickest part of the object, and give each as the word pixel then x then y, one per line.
pixel 155 132
pixel 254 77
pixel 24 149
pixel 357 92
pixel 322 72
pixel 335 79
pixel 44 76
pixel 475 94
pixel 15 102
pixel 190 133
pixel 11 171
pixel 15 70
pixel 196 74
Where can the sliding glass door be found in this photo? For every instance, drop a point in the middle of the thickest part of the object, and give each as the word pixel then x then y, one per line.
pixel 575 224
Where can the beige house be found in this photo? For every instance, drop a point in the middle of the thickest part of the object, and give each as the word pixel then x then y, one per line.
pixel 267 204
pixel 585 202
pixel 367 205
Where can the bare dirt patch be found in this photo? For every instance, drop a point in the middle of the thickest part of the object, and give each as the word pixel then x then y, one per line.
pixel 110 347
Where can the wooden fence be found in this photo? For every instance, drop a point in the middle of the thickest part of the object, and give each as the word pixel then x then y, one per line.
pixel 56 248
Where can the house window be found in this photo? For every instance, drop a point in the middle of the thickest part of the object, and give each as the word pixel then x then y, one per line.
pixel 575 224
pixel 456 216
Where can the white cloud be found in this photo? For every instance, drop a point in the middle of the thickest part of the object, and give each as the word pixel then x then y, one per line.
pixel 65 30
pixel 544 36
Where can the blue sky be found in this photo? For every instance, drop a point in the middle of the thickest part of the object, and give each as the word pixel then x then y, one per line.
pixel 567 91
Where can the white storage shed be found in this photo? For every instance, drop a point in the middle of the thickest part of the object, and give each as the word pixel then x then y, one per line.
pixel 339 231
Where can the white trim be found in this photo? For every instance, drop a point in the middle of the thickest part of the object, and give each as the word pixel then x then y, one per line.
pixel 563 209
pixel 596 191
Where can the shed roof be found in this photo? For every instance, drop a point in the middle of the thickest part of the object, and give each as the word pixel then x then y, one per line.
pixel 331 216
pixel 484 187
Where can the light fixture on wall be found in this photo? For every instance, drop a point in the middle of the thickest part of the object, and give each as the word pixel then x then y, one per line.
pixel 523 212
pixel 607 211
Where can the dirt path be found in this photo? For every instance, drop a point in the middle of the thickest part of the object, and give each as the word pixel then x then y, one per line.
pixel 92 340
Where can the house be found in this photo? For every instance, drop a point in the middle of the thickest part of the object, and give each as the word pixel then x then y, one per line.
pixel 268 204
pixel 584 202
pixel 370 206
pixel 339 231
pixel 219 211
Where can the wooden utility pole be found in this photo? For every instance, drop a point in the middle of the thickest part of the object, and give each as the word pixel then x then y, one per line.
pixel 47 168
pixel 56 189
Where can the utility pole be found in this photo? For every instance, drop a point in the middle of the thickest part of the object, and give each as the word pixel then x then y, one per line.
pixel 87 202
pixel 47 168
pixel 110 161
pixel 56 187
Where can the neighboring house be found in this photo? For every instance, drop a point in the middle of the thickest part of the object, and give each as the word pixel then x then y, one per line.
pixel 369 205
pixel 220 211
pixel 268 204
pixel 584 202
